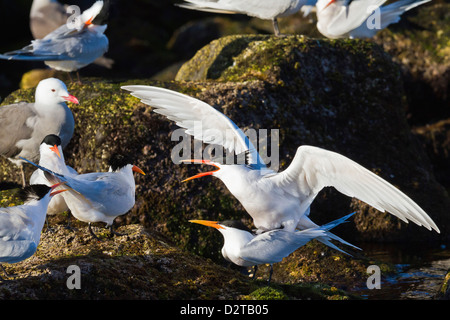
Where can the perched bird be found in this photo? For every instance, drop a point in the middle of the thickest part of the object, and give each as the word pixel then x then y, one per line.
pixel 244 248
pixel 262 9
pixel 99 196
pixel 48 15
pixel 277 200
pixel 21 226
pixel 52 158
pixel 24 125
pixel 359 18
pixel 70 47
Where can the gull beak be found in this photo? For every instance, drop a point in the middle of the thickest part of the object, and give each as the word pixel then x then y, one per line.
pixel 213 224
pixel 57 191
pixel 56 150
pixel 137 169
pixel 203 174
pixel 71 98
pixel 329 3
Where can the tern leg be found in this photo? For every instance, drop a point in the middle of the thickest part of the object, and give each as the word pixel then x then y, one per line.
pixel 275 27
pixel 113 232
pixel 255 268
pixel 270 274
pixel 68 226
pixel 92 232
pixel 4 271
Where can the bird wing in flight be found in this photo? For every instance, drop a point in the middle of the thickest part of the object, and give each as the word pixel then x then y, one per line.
pixel 193 114
pixel 314 168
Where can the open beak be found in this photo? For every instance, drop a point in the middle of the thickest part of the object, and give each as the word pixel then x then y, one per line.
pixel 329 3
pixel 213 224
pixel 55 150
pixel 57 191
pixel 71 98
pixel 203 174
pixel 137 169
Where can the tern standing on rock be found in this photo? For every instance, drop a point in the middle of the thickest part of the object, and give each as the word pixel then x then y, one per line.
pixel 52 158
pixel 100 196
pixel 70 47
pixel 24 125
pixel 244 248
pixel 21 226
pixel 262 9
pixel 359 18
pixel 277 200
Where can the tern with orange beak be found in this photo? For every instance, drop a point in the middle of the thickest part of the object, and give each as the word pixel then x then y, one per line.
pixel 359 18
pixel 244 248
pixel 21 226
pixel 99 196
pixel 52 157
pixel 70 47
pixel 278 199
pixel 24 125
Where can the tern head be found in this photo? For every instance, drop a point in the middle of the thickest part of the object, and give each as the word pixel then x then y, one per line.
pixel 39 191
pixel 119 161
pixel 51 91
pixel 51 145
pixel 223 168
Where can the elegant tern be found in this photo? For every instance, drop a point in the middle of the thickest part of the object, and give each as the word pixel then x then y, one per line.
pixel 24 125
pixel 68 48
pixel 262 9
pixel 52 157
pixel 277 200
pixel 359 18
pixel 99 196
pixel 244 248
pixel 21 226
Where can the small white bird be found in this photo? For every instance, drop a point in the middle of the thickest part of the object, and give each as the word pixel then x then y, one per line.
pixel 70 47
pixel 277 200
pixel 244 248
pixel 21 226
pixel 99 196
pixel 359 18
pixel 24 125
pixel 262 9
pixel 52 158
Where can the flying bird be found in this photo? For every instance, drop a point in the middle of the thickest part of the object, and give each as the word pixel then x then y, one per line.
pixel 245 248
pixel 52 158
pixel 24 125
pixel 70 47
pixel 359 18
pixel 99 196
pixel 21 226
pixel 262 9
pixel 277 199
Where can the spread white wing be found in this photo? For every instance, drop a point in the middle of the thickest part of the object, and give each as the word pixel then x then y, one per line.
pixel 314 168
pixel 199 119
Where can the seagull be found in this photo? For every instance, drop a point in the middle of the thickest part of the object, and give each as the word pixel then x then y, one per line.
pixel 70 47
pixel 244 248
pixel 21 226
pixel 359 18
pixel 48 15
pixel 277 200
pixel 24 125
pixel 52 158
pixel 262 9
pixel 99 196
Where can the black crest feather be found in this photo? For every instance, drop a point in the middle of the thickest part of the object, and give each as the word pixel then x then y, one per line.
pixel 52 139
pixel 118 161
pixel 35 191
